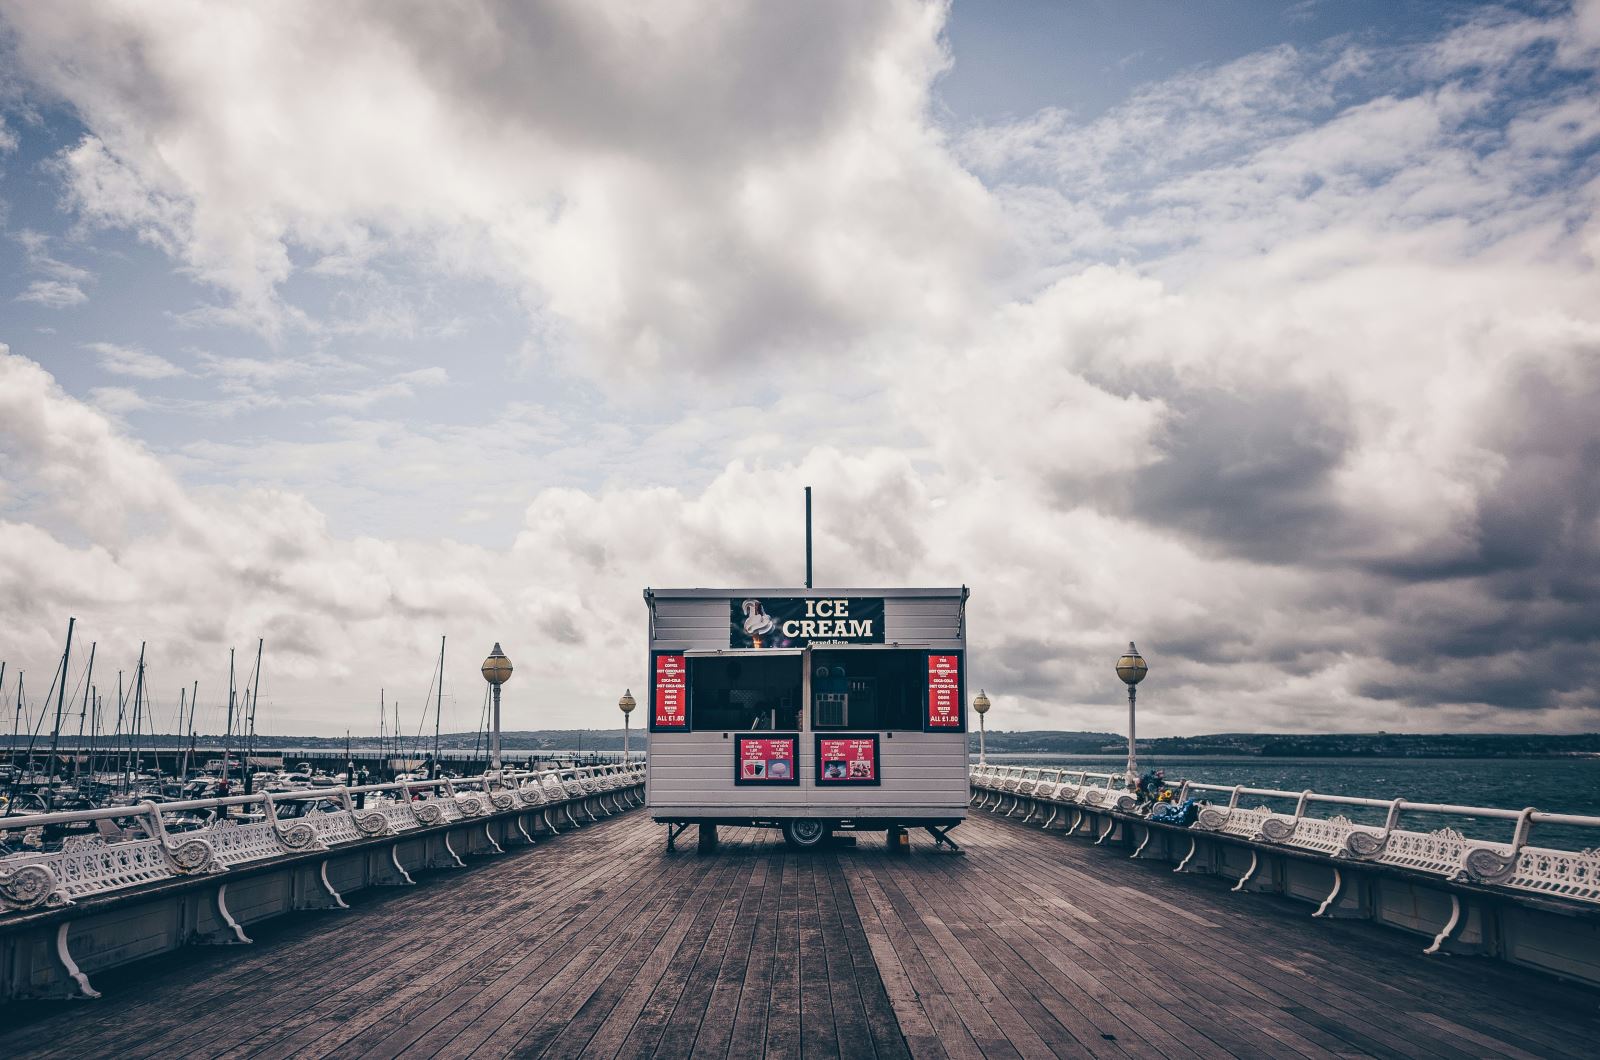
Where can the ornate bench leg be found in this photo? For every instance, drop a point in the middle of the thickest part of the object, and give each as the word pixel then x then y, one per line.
pixel 550 824
pixel 1148 832
pixel 1450 925
pixel 64 955
pixel 401 877
pixel 1111 823
pixel 524 830
pixel 227 918
pixel 451 850
pixel 1251 871
pixel 1193 846
pixel 1338 881
pixel 337 898
pixel 575 822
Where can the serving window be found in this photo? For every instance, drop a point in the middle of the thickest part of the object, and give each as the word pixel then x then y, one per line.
pixel 745 692
pixel 867 689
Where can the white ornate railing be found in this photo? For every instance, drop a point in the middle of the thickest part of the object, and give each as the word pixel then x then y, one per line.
pixel 1446 852
pixel 146 852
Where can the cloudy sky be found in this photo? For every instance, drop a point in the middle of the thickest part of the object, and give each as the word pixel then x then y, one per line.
pixel 1266 335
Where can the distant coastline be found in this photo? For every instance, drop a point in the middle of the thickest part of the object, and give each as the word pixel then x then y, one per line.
pixel 1039 742
pixel 1298 745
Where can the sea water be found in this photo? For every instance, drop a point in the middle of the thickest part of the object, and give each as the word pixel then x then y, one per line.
pixel 1555 785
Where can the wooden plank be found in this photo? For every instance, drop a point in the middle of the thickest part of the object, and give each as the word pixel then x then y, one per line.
pixel 1374 970
pixel 749 1032
pixel 579 1036
pixel 783 1004
pixel 839 976
pixel 916 1029
pixel 410 1009
pixel 686 928
pixel 877 1012
pixel 530 1016
pixel 475 1013
pixel 715 1029
pixel 924 995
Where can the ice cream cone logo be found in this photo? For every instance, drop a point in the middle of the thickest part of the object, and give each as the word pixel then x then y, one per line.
pixel 757 623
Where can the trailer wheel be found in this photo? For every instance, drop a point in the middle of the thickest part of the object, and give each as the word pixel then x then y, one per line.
pixel 804 833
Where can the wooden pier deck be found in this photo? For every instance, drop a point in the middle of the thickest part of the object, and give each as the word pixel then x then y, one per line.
pixel 596 943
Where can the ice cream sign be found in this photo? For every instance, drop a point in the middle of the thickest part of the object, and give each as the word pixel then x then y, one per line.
pixel 789 622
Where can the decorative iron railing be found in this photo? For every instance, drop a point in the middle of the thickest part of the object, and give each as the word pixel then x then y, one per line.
pixel 163 840
pixel 1447 852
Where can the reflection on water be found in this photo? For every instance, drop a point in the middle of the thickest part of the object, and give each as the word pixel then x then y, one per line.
pixel 1556 785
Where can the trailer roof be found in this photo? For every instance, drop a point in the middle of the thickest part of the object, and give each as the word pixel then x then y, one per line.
pixel 797 591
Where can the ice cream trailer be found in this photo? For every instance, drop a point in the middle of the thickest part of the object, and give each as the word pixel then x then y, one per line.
pixel 809 710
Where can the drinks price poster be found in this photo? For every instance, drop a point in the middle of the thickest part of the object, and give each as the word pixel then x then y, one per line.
pixel 765 760
pixel 944 693
pixel 671 699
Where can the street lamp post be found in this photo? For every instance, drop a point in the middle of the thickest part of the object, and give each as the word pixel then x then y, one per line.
pixel 496 671
pixel 1131 668
pixel 980 703
pixel 626 705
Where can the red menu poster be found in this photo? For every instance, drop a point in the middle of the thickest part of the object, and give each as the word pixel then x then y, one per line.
pixel 765 760
pixel 672 693
pixel 944 692
pixel 847 759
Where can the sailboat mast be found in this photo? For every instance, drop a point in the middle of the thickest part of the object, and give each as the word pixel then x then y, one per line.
pixel 121 753
pixel 194 701
pixel 183 695
pixel 255 699
pixel 138 707
pixel 83 714
pixel 16 730
pixel 61 702
pixel 227 738
pixel 383 731
pixel 94 732
pixel 438 708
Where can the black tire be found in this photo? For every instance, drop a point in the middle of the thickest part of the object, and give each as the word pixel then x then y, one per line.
pixel 805 833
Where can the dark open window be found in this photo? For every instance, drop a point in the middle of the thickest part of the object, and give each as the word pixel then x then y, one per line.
pixel 867 689
pixel 745 692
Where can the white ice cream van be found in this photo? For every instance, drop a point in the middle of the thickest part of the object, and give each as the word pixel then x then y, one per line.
pixel 809 710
